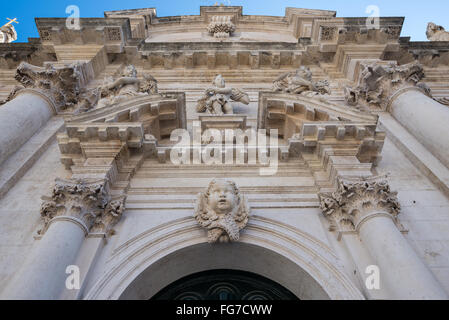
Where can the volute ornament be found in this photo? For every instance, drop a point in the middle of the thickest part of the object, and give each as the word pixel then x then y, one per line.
pixel 222 210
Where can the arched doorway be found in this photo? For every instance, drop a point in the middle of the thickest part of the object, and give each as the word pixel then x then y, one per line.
pixel 150 261
pixel 224 284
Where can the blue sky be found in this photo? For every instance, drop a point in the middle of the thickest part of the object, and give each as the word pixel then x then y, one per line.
pixel 416 12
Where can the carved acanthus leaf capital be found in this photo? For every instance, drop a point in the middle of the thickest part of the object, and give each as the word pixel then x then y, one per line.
pixel 85 201
pixel 357 198
pixel 112 213
pixel 378 83
pixel 61 84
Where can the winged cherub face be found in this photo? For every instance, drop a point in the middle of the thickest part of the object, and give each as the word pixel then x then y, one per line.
pixel 222 197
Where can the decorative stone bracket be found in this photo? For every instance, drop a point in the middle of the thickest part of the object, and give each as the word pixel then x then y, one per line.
pixel 84 202
pixel 358 199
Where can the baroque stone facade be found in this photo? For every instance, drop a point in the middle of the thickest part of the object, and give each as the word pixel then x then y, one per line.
pixel 124 152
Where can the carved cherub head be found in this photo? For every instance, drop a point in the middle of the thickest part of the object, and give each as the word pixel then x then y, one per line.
pixel 219 81
pixel 129 71
pixel 222 210
pixel 222 196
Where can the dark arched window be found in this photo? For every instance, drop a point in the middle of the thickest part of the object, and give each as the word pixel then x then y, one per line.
pixel 224 285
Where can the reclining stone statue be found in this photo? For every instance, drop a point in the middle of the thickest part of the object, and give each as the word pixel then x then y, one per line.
pixel 119 90
pixel 300 82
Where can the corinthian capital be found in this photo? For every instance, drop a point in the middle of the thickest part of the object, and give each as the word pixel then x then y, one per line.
pixel 378 83
pixel 85 202
pixel 61 84
pixel 356 199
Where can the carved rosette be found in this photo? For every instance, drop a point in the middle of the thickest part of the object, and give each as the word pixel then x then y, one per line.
pixel 61 84
pixel 221 26
pixel 379 82
pixel 356 199
pixel 84 202
pixel 222 210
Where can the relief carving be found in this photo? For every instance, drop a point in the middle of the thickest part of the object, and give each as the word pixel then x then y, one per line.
pixel 217 99
pixel 300 82
pixel 355 199
pixel 221 26
pixel 436 33
pixel 222 210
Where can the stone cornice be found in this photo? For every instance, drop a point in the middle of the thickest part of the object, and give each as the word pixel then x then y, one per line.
pixel 85 202
pixel 358 199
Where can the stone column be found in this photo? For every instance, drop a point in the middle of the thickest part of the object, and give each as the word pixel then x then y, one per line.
pixel 46 91
pixel 75 209
pixel 368 207
pixel 424 118
pixel 396 89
